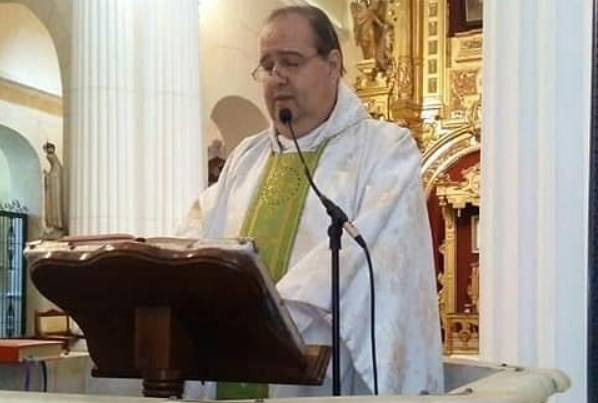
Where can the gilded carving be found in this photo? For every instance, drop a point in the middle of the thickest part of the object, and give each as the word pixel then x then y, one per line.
pixel 432 66
pixel 429 134
pixel 432 85
pixel 472 44
pixel 460 327
pixel 459 194
pixel 441 288
pixel 463 83
pixel 462 333
pixel 474 116
pixel 473 289
pixel 433 9
pixel 377 110
pixel 404 77
pixel 444 152
pixel 469 48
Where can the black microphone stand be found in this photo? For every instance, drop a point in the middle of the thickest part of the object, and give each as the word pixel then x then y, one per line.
pixel 335 233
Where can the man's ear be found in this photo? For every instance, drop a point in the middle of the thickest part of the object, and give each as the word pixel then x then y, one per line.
pixel 334 61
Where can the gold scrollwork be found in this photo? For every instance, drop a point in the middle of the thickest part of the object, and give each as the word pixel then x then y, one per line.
pixel 463 83
pixel 472 44
pixel 433 9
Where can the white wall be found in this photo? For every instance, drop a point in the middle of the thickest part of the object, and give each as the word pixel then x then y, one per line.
pixel 5 180
pixel 27 54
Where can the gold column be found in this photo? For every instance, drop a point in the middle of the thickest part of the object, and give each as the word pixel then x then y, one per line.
pixel 406 98
pixel 450 257
pixel 434 57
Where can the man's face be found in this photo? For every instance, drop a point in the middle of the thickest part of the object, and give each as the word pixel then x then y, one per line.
pixel 301 80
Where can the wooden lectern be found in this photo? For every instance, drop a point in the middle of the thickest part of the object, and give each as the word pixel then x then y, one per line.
pixel 169 310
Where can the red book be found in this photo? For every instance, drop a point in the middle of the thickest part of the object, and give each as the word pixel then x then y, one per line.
pixel 18 350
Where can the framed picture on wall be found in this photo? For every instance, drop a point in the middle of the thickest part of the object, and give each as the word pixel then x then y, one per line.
pixel 473 12
pixel 465 15
pixel 475 234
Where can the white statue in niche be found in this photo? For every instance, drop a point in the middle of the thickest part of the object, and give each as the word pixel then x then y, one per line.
pixel 54 227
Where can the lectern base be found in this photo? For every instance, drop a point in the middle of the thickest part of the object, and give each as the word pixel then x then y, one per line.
pixel 163 383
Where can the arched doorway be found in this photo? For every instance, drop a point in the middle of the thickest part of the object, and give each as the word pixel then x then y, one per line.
pixel 232 119
pixel 235 118
pixel 20 212
pixel 21 181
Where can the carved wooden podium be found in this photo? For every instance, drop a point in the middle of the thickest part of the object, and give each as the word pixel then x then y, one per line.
pixel 169 310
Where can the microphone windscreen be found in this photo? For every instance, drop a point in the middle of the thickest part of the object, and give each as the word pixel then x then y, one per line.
pixel 285 115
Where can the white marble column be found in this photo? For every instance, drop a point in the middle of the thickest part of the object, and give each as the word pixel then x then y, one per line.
pixel 171 111
pixel 103 116
pixel 135 139
pixel 534 190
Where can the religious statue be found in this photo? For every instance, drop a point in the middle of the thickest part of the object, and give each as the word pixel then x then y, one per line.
pixel 369 21
pixel 54 227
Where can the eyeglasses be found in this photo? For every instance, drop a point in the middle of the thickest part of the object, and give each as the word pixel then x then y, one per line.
pixel 287 65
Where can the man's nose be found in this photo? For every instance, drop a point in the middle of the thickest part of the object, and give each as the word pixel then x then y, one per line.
pixel 278 75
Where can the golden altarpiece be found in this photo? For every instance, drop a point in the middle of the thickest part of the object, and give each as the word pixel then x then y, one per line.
pixel 422 69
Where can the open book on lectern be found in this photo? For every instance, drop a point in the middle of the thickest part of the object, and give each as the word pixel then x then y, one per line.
pixel 205 308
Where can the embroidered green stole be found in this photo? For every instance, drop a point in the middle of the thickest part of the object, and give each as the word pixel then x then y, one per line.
pixel 273 220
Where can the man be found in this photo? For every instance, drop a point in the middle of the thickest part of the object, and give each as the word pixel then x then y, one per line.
pixel 369 168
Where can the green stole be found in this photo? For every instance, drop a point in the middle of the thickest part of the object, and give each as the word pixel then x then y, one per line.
pixel 273 220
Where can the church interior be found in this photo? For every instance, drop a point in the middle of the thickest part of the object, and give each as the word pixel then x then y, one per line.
pixel 115 114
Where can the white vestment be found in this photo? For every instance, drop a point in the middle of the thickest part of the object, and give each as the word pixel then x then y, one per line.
pixel 371 169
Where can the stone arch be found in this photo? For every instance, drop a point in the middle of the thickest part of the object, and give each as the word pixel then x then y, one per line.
pixel 235 118
pixel 445 153
pixel 56 17
pixel 22 180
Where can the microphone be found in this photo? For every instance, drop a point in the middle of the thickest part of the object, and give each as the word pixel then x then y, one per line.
pixel 286 116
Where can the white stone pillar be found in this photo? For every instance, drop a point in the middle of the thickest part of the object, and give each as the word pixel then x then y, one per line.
pixel 171 112
pixel 103 98
pixel 135 150
pixel 535 140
